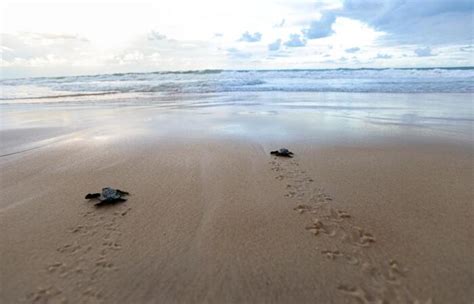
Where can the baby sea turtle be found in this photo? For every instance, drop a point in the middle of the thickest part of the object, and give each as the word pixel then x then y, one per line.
pixel 282 152
pixel 108 196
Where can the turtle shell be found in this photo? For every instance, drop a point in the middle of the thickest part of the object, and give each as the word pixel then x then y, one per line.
pixel 110 194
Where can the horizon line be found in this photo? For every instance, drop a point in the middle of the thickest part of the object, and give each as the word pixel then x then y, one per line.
pixel 210 71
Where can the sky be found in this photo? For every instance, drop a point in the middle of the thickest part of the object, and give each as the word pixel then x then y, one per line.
pixel 67 37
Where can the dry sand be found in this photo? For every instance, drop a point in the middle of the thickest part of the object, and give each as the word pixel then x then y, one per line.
pixel 220 221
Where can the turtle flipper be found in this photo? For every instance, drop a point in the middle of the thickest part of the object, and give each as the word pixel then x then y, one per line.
pixel 110 202
pixel 274 153
pixel 101 203
pixel 122 192
pixel 92 195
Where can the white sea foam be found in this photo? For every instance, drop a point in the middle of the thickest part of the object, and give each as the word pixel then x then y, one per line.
pixel 437 80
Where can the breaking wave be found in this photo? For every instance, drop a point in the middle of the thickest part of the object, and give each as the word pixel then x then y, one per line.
pixel 419 80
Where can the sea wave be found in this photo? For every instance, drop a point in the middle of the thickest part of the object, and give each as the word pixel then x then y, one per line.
pixel 413 80
pixel 59 96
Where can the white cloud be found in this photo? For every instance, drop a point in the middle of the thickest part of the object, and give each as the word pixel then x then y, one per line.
pixel 154 35
pixel 151 35
pixel 353 50
pixel 383 56
pixel 321 28
pixel 238 54
pixel 280 24
pixel 275 46
pixel 295 40
pixel 248 37
pixel 415 21
pixel 424 52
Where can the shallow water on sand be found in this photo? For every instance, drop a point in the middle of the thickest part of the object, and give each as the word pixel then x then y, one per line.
pixel 280 116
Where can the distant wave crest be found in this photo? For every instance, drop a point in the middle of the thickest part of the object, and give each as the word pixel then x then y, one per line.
pixel 415 80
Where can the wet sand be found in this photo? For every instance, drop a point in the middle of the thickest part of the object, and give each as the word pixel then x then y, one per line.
pixel 218 220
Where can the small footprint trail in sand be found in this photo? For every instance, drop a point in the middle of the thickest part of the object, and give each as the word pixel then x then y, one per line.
pixel 85 260
pixel 349 244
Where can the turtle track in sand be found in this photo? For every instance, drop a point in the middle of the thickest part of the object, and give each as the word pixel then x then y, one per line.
pixel 346 243
pixel 82 262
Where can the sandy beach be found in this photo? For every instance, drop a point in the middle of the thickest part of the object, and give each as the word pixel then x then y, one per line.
pixel 216 219
pixel 237 152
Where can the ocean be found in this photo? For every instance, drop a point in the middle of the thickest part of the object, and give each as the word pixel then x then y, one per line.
pixel 424 80
pixel 289 104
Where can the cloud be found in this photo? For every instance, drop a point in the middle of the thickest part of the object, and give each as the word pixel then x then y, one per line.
pixel 380 32
pixel 238 54
pixel 353 50
pixel 154 35
pixel 320 28
pixel 50 36
pixel 27 45
pixel 45 39
pixel 133 56
pixel 383 56
pixel 295 41
pixel 280 24
pixel 275 46
pixel 248 37
pixel 279 55
pixel 415 21
pixel 155 57
pixel 35 62
pixel 468 48
pixel 424 52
